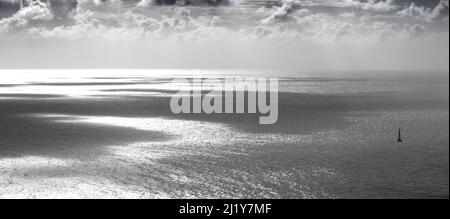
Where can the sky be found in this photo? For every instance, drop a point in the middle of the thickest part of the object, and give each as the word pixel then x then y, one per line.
pixel 323 35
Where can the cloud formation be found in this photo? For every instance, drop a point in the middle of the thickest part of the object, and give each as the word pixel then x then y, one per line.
pixel 292 30
pixel 426 14
pixel 35 11
pixel 366 20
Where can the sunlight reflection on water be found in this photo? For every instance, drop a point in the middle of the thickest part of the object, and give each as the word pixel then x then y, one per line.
pixel 212 159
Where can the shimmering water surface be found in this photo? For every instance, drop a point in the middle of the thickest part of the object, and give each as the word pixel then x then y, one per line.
pixel 110 134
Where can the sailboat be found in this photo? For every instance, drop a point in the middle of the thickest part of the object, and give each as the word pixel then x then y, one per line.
pixel 399 138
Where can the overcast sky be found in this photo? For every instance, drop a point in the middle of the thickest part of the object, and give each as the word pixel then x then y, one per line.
pixel 295 35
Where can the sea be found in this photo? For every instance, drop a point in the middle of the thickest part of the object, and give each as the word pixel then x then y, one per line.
pixel 99 133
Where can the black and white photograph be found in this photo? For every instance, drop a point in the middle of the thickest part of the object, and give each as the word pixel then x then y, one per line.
pixel 224 99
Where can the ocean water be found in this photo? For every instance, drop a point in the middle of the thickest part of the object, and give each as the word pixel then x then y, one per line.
pixel 111 134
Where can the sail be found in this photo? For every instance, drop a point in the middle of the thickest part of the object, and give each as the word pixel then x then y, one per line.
pixel 399 139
